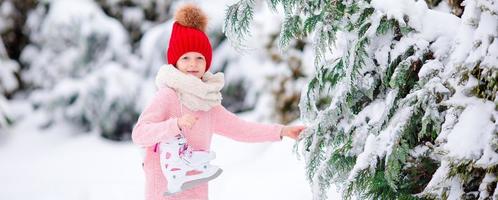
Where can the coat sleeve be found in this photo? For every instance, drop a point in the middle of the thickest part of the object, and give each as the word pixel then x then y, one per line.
pixel 227 124
pixel 155 124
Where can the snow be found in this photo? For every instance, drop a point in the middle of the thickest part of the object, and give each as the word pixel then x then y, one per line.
pixel 489 178
pixel 419 151
pixel 436 24
pixel 438 180
pixel 441 47
pixel 451 118
pixel 153 46
pixel 465 31
pixel 443 7
pixel 8 81
pixel 491 60
pixel 382 53
pixel 366 123
pixel 432 66
pixel 472 136
pixel 471 133
pixel 393 8
pixel 6 10
pixel 456 188
pixel 402 46
pixel 430 23
pixel 381 145
pixel 483 34
pixel 133 15
pixel 367 158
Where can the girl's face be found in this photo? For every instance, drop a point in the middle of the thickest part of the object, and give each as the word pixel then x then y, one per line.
pixel 192 63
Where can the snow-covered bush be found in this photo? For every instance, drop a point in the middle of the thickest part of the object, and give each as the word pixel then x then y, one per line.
pixel 73 40
pixel 137 16
pixel 403 104
pixel 80 67
pixel 13 16
pixel 103 99
pixel 153 47
pixel 9 20
pixel 8 84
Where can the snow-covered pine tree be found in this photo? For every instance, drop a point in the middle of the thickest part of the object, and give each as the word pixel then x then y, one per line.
pixel 80 67
pixel 403 104
pixel 13 15
pixel 9 26
pixel 467 144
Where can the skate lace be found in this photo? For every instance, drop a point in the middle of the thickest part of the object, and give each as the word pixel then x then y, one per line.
pixel 185 152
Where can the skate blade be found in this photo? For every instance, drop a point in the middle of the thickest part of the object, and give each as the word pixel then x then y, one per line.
pixel 191 184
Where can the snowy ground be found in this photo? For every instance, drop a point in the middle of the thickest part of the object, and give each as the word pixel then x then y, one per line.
pixel 61 164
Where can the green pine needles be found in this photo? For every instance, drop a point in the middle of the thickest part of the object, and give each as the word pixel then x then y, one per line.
pixel 385 100
pixel 237 21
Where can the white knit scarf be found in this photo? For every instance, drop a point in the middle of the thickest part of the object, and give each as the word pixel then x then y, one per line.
pixel 197 94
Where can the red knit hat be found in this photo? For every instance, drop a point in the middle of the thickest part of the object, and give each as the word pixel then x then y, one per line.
pixel 188 35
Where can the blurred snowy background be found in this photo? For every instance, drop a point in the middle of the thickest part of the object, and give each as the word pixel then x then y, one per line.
pixel 75 75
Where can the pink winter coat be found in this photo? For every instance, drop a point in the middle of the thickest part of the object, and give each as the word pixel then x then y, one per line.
pixel 158 122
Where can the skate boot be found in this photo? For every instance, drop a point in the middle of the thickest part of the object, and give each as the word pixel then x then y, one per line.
pixel 184 168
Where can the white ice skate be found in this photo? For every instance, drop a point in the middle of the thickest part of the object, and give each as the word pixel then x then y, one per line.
pixel 184 168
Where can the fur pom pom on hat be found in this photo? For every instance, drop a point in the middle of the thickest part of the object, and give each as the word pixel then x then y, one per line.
pixel 192 16
pixel 188 35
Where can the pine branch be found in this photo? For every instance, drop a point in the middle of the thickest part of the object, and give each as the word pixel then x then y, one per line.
pixel 291 29
pixel 237 22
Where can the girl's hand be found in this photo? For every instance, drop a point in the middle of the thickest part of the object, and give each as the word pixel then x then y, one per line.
pixel 186 121
pixel 292 131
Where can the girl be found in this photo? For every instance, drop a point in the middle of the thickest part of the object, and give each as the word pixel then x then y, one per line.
pixel 188 101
